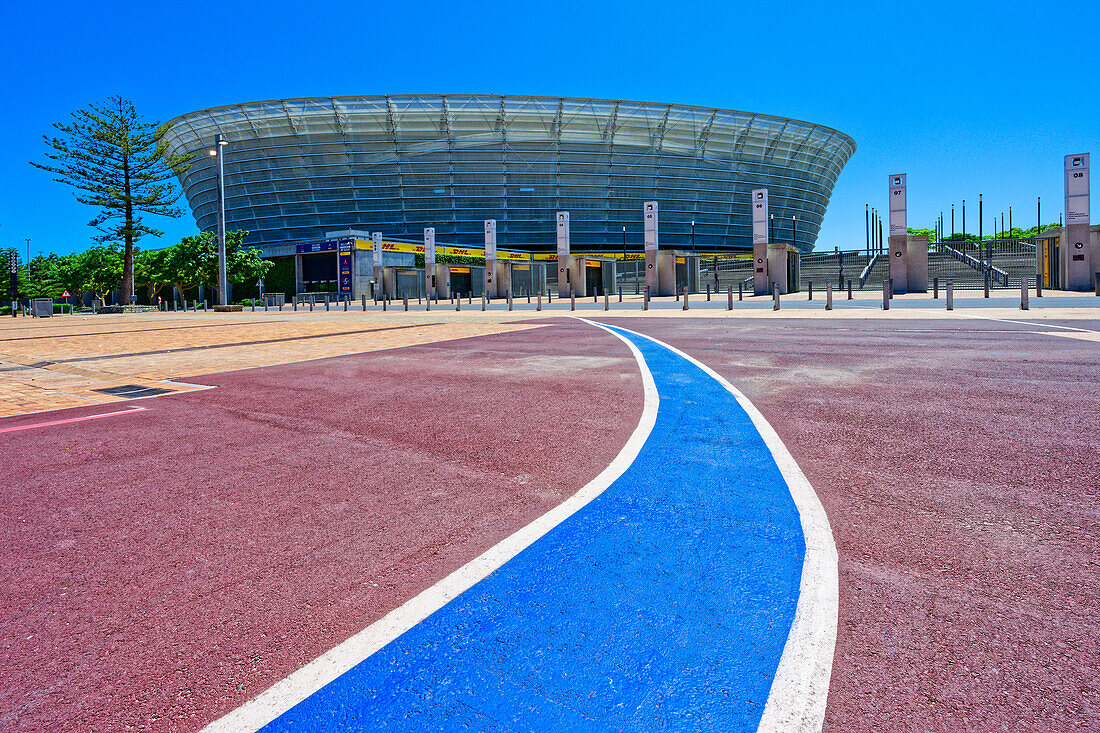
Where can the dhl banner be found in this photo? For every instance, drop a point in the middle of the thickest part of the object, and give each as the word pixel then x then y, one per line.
pixel 418 248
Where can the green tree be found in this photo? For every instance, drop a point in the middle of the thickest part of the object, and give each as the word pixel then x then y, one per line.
pixel 194 261
pixel 119 163
pixel 99 269
pixel 151 268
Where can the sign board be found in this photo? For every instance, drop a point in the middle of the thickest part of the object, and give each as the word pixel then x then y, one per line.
pixel 66 294
pixel 376 238
pixel 490 239
pixel 563 235
pixel 13 263
pixel 897 205
pixel 650 210
pixel 1077 189
pixel 429 246
pixel 760 216
pixel 343 265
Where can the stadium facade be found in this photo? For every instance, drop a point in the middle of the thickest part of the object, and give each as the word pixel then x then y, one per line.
pixel 298 169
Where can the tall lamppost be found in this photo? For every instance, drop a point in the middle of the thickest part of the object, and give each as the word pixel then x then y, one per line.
pixel 219 158
pixel 952 221
pixel 794 229
pixel 693 237
pixel 771 227
pixel 867 227
pixel 624 245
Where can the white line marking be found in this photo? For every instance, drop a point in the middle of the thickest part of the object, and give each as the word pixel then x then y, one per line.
pixel 16 428
pixel 801 685
pixel 287 693
pixel 1022 323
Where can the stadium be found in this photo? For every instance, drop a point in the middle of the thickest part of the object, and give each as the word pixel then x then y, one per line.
pixel 299 169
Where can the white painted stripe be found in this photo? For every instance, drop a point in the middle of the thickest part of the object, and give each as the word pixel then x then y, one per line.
pixel 287 693
pixel 17 428
pixel 801 685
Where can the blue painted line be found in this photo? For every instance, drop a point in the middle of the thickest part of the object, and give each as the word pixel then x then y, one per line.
pixel 663 604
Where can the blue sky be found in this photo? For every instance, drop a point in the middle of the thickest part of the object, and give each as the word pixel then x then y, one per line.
pixel 964 97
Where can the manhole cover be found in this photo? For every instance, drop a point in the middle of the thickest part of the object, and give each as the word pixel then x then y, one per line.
pixel 130 391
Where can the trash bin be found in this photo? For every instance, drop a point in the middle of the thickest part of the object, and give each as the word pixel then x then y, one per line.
pixel 42 307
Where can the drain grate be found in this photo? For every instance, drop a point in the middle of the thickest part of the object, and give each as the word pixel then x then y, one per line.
pixel 130 391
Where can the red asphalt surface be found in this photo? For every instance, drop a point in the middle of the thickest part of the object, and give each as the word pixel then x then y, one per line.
pixel 161 568
pixel 959 463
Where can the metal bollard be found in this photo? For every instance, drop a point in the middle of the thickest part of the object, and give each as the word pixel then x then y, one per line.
pixel 1023 294
pixel 1096 280
pixel 886 295
pixel 253 305
pixel 729 297
pixel 740 291
pixel 849 288
pixel 685 298
pixel 606 301
pixel 326 304
pixel 204 302
pixel 405 300
pixel 458 303
pixel 775 297
pixel 594 296
pixel 483 301
pixel 950 296
pixel 509 300
pixel 645 299
pixel 364 304
pixel 311 305
pixel 677 295
pixel 347 301
pixel 470 297
pixel 385 301
pixel 987 285
pixel 935 288
pixel 572 299
pixel 539 306
pixel 1038 286
pixel 620 293
pixel 708 292
pixel 266 304
pixel 810 290
pixel 891 291
pixel 280 307
pixel 829 296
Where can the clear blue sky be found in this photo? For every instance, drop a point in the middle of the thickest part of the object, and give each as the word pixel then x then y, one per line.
pixel 965 97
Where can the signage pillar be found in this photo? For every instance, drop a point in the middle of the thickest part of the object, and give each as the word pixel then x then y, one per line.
pixel 376 246
pixel 652 281
pixel 13 266
pixel 345 267
pixel 491 259
pixel 1077 255
pixel 899 261
pixel 563 254
pixel 429 262
pixel 760 242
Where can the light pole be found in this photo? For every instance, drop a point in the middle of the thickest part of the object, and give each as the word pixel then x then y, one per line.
pixel 867 227
pixel 794 230
pixel 624 245
pixel 693 237
pixel 219 158
pixel 771 227
pixel 952 221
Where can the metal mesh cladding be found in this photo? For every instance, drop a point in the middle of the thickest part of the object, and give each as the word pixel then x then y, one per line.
pixel 298 168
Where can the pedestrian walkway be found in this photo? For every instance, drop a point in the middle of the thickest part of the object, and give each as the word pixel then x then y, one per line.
pixel 666 601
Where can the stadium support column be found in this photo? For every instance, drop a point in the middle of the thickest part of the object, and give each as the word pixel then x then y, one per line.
pixel 491 280
pixel 1076 249
pixel 563 254
pixel 899 249
pixel 376 245
pixel 652 280
pixel 429 262
pixel 760 284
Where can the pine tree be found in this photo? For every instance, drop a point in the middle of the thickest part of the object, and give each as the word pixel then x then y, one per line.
pixel 118 162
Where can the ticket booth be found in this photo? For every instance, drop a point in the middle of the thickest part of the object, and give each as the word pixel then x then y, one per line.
pixel 783 267
pixel 687 273
pixel 1046 261
pixel 461 281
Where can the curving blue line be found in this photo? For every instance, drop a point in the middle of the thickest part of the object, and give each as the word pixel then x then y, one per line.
pixel 664 604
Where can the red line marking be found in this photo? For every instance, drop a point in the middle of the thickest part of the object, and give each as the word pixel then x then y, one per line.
pixel 71 419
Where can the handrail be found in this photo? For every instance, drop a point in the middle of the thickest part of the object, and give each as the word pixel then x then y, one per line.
pixel 979 265
pixel 867 270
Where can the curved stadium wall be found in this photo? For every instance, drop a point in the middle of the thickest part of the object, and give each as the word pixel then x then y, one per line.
pixel 296 169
